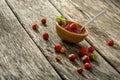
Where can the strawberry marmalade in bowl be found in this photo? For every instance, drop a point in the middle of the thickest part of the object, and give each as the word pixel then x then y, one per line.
pixel 69 31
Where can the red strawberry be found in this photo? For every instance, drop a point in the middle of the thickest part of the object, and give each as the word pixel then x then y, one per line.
pixel 63 50
pixel 73 26
pixel 91 49
pixel 43 21
pixel 86 58
pixel 83 51
pixel 57 48
pixel 79 70
pixel 72 57
pixel 91 56
pixel 58 58
pixel 110 42
pixel 35 26
pixel 45 36
pixel 87 66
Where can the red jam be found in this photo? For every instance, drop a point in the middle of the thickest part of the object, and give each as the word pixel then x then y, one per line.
pixel 72 27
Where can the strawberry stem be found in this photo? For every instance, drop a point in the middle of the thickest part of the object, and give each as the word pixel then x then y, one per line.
pixel 61 19
pixel 95 57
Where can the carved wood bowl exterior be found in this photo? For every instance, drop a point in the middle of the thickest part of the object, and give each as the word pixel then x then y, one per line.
pixel 71 37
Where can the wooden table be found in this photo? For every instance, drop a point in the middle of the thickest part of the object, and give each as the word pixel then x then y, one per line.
pixel 25 55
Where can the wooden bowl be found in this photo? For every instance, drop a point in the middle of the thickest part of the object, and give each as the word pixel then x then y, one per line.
pixel 71 37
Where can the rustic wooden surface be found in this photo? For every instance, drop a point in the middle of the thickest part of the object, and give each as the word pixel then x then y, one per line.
pixel 25 55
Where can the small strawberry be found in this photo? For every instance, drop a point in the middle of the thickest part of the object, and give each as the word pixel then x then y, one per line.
pixel 73 26
pixel 83 51
pixel 87 66
pixel 43 21
pixel 91 49
pixel 72 57
pixel 93 56
pixel 63 50
pixel 45 36
pixel 86 58
pixel 58 58
pixel 79 70
pixel 57 47
pixel 110 42
pixel 34 26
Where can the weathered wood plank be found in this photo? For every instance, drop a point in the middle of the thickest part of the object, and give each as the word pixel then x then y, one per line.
pixel 20 58
pixel 102 29
pixel 29 12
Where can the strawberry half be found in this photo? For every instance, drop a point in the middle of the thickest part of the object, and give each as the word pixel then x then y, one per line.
pixel 83 51
pixel 91 49
pixel 72 57
pixel 86 58
pixel 57 47
pixel 45 36
pixel 110 42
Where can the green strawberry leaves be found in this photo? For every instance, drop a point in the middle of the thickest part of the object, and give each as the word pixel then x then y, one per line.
pixel 61 19
pixel 95 57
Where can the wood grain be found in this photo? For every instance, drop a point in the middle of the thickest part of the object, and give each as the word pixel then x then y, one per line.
pixel 102 29
pixel 29 12
pixel 20 58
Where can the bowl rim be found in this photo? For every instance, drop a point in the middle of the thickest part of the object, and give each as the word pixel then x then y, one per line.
pixel 73 32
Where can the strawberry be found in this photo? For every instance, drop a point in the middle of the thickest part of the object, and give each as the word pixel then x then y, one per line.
pixel 63 50
pixel 86 58
pixel 91 49
pixel 73 26
pixel 43 21
pixel 110 42
pixel 57 47
pixel 34 26
pixel 58 58
pixel 83 51
pixel 72 57
pixel 87 66
pixel 79 70
pixel 93 56
pixel 45 36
